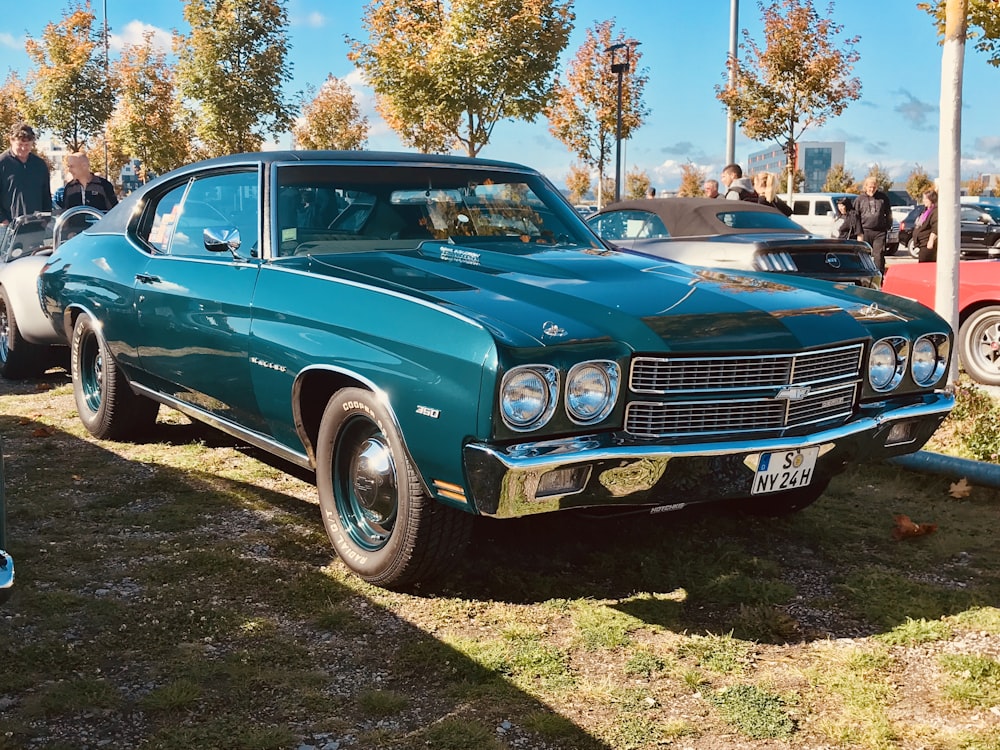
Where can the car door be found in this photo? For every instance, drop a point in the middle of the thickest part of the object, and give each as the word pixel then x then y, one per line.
pixel 193 305
pixel 974 229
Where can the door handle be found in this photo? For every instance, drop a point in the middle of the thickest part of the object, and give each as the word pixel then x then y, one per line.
pixel 146 278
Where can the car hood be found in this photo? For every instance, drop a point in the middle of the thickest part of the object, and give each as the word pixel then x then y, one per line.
pixel 560 296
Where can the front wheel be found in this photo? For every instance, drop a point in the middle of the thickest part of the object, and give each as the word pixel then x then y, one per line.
pixel 979 345
pixel 106 404
pixel 913 249
pixel 379 518
pixel 18 358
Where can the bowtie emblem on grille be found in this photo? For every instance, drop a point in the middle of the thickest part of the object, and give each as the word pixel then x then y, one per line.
pixel 793 392
pixel 832 260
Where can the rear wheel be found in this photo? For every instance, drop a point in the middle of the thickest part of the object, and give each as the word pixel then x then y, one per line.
pixel 979 345
pixel 106 404
pixel 18 358
pixel 383 525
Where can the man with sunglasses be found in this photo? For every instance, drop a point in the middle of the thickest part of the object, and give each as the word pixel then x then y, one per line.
pixel 24 177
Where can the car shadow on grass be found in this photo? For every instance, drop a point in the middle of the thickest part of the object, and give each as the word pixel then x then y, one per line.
pixel 182 608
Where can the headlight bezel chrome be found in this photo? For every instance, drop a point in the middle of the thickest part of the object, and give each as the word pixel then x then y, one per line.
pixel 893 354
pixel 941 349
pixel 609 373
pixel 547 384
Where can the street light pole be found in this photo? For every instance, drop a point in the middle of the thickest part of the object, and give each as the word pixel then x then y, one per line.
pixel 619 68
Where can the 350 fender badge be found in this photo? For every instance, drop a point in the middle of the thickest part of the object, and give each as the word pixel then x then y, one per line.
pixel 427 411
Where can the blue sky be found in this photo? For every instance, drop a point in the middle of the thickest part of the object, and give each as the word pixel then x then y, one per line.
pixel 684 47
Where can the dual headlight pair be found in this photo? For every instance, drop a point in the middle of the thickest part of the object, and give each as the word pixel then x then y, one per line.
pixel 927 360
pixel 529 395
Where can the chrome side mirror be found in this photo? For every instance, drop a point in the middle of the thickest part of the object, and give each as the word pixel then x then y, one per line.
pixel 222 239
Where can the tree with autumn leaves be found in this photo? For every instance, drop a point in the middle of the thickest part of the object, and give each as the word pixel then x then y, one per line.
pixel 232 66
pixel 444 74
pixel 149 122
pixel 797 79
pixel 583 113
pixel 331 119
pixel 69 92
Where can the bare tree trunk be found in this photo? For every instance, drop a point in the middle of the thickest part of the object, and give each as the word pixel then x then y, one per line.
pixel 949 169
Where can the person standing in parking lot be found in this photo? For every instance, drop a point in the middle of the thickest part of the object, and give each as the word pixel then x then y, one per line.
pixel 711 188
pixel 24 177
pixel 925 231
pixel 875 212
pixel 738 187
pixel 86 188
pixel 765 184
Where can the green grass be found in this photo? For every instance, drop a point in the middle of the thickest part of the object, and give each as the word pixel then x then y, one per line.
pixel 189 586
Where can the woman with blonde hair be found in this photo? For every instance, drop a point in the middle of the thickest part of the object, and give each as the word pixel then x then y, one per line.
pixel 766 186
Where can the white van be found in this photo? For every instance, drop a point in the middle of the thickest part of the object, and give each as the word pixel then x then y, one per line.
pixel 816 212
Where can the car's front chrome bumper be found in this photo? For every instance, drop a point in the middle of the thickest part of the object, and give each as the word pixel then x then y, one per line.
pixel 608 470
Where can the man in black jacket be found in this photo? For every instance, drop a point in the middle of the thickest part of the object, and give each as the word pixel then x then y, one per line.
pixel 24 177
pixel 875 212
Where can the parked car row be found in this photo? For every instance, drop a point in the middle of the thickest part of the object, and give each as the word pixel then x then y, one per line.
pixel 439 338
pixel 979 227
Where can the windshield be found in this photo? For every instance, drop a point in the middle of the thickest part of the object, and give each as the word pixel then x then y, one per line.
pixel 323 208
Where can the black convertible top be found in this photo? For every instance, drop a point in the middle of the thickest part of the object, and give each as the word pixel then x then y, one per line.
pixel 695 217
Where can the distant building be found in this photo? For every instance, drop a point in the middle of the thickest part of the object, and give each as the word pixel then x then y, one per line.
pixel 54 152
pixel 813 158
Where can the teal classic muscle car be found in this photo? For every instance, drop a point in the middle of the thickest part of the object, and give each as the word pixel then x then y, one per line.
pixel 440 338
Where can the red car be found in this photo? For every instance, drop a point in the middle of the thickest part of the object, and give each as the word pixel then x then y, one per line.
pixel 978 339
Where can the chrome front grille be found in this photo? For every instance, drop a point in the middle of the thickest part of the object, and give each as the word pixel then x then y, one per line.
pixel 742 394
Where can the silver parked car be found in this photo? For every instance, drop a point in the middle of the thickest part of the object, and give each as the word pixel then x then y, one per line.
pixel 28 345
pixel 734 235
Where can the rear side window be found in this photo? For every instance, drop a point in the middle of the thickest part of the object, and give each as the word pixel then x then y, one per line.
pixel 629 225
pixel 757 220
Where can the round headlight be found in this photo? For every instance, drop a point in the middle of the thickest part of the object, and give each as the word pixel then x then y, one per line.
pixel 887 363
pixel 929 359
pixel 591 391
pixel 528 396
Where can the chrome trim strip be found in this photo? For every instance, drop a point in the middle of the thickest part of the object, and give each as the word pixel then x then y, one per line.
pixel 254 438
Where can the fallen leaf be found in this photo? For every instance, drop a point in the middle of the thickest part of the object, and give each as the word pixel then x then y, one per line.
pixel 42 432
pixel 23 421
pixel 43 386
pixel 960 489
pixel 906 529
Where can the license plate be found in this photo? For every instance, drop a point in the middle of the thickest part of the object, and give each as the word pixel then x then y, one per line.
pixel 784 470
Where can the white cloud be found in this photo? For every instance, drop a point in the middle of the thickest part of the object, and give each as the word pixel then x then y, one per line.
pixel 9 40
pixel 133 34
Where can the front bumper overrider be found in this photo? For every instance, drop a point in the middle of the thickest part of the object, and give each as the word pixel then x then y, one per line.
pixel 618 470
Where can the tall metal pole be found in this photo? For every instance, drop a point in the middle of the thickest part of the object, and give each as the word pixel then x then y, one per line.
pixel 107 79
pixel 734 25
pixel 619 69
pixel 618 142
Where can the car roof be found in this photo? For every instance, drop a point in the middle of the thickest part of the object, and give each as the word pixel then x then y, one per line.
pixel 693 217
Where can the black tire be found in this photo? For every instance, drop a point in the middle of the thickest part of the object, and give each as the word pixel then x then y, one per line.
pixel 18 358
pixel 107 406
pixel 892 249
pixel 979 345
pixel 382 523
pixel 786 503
